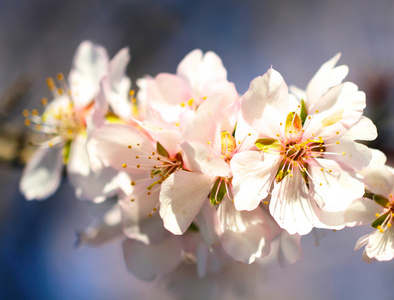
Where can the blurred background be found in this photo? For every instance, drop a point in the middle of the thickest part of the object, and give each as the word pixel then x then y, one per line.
pixel 38 257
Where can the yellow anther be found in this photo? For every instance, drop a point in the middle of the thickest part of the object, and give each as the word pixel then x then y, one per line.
pixel 309 117
pixel 153 153
pixel 330 171
pixel 60 91
pixel 38 127
pixel 265 202
pixel 299 106
pixel 321 184
pixel 208 142
pixel 278 135
pixel 176 124
pixel 50 144
pixel 149 157
pixel 239 142
pixel 389 225
pixel 138 166
pixel 337 143
pixel 190 102
pixel 343 153
pixel 317 110
pixel 25 113
pixel 154 209
pixel 391 196
pixel 124 165
pixel 313 134
pixel 379 227
pixel 138 144
pixel 183 104
pixel 158 158
pixel 44 101
pixel 321 150
pixel 134 100
pixel 49 80
pixel 290 131
pixel 377 215
pixel 34 112
pixel 148 193
pixel 129 146
pixel 291 175
pixel 132 92
pixel 137 157
pixel 60 76
pixel 150 215
pixel 280 124
pixel 322 169
pixel 70 131
pixel 132 183
pixel 132 200
pixel 381 230
pixel 27 122
pixel 249 134
pixel 204 98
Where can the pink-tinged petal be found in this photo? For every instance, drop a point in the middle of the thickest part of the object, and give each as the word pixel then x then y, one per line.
pixel 292 206
pixel 188 67
pixel 169 138
pixel 208 223
pixel 211 68
pixel 356 157
pixel 266 103
pixel 90 64
pixel 246 228
pixel 381 245
pixel 362 211
pixel 363 130
pixel 362 241
pixel 203 159
pixel 181 197
pixel 326 77
pixel 253 174
pixel 94 186
pixel 139 219
pixel 366 258
pixel 334 191
pixel 112 146
pixel 378 158
pixel 245 135
pixel 299 93
pixel 379 180
pixel 42 174
pixel 104 229
pixel 147 262
pixel 289 248
pixel 118 85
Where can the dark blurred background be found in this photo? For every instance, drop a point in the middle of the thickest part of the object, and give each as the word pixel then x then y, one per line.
pixel 38 259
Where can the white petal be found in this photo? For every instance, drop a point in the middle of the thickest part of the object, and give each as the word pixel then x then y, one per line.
pixel 103 230
pixel 292 206
pixel 112 141
pixel 362 241
pixel 90 65
pixel 289 248
pixel 253 174
pixel 266 102
pixel 363 130
pixel 379 180
pixel 362 211
pixel 327 76
pixel 334 191
pixel 181 197
pixel 42 174
pixel 356 157
pixel 208 223
pixel 381 245
pixel 147 262
pixel 245 234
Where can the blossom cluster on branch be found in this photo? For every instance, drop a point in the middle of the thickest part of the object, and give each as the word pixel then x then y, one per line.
pixel 203 175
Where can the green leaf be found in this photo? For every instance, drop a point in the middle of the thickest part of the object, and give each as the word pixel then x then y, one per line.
pixel 161 150
pixel 193 227
pixel 380 220
pixel 218 191
pixel 66 152
pixel 381 200
pixel 265 144
pixel 303 113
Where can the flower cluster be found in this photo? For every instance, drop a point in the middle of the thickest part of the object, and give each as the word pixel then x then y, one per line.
pixel 203 175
